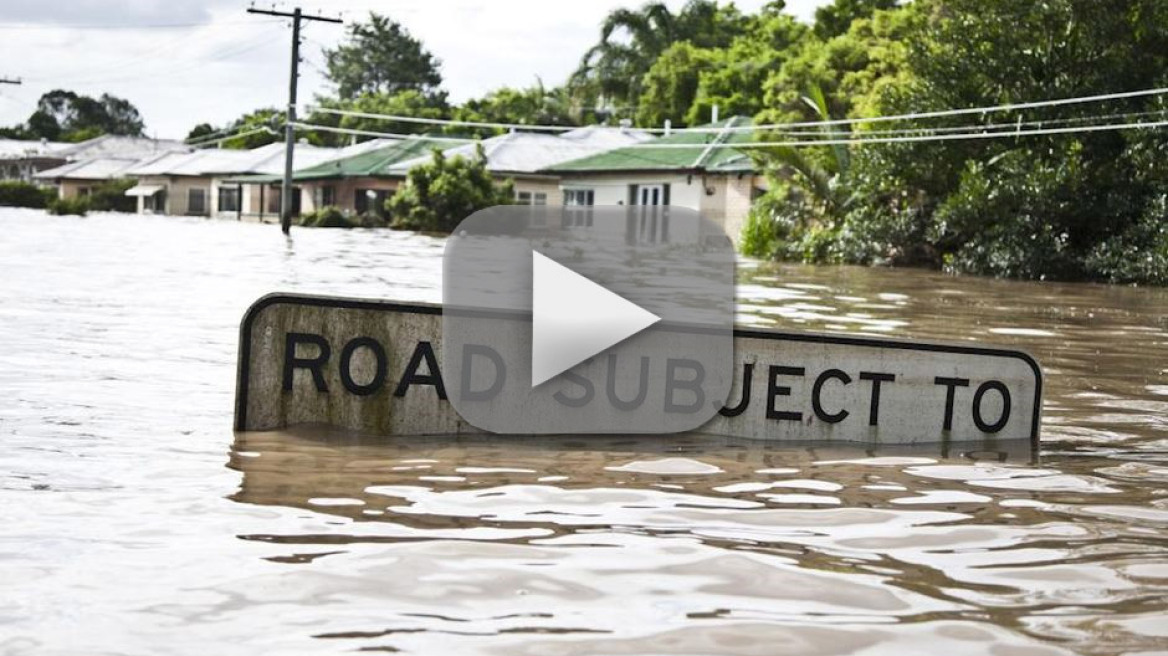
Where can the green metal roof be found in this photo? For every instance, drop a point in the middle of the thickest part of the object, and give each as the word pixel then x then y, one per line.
pixel 371 163
pixel 698 158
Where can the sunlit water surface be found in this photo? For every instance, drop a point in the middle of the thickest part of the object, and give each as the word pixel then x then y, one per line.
pixel 132 520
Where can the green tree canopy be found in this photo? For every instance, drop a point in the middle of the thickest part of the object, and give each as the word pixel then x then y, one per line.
pixel 67 116
pixel 380 57
pixel 835 18
pixel 439 194
pixel 671 85
pixel 536 105
pixel 611 72
pixel 736 83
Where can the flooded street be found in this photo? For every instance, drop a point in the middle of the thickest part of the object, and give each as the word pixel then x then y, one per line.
pixel 133 521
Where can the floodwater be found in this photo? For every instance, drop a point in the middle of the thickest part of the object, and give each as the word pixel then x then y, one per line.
pixel 132 520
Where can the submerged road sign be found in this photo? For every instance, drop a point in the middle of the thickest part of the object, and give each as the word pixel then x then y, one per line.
pixel 375 367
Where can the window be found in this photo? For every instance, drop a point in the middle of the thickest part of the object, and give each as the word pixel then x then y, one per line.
pixel 83 191
pixel 579 204
pixel 196 201
pixel 326 196
pixel 370 200
pixel 155 202
pixel 229 199
pixel 530 198
pixel 579 197
pixel 274 200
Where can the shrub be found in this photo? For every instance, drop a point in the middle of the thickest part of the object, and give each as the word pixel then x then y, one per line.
pixel 326 217
pixel 77 206
pixel 14 193
pixel 759 234
pixel 110 196
pixel 439 194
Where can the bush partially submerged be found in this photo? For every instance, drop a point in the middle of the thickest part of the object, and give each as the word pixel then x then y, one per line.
pixel 439 194
pixel 14 193
pixel 75 206
pixel 333 217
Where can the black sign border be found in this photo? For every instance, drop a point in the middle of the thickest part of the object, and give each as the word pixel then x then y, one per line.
pixel 312 300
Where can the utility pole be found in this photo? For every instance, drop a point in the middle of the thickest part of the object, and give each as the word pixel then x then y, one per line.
pixel 9 80
pixel 290 118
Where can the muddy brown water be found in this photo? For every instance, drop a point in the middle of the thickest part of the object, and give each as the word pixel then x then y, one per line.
pixel 133 521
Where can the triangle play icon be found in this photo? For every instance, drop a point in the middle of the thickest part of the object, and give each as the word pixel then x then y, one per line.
pixel 574 318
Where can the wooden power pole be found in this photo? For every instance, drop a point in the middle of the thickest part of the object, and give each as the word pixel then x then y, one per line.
pixel 9 80
pixel 290 118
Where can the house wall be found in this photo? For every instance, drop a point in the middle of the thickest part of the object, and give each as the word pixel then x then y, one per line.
pixel 542 185
pixel 68 189
pixel 344 190
pixel 730 203
pixel 177 192
pixel 24 168
pixel 723 199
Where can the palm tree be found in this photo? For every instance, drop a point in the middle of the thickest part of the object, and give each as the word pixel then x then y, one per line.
pixel 611 74
pixel 819 180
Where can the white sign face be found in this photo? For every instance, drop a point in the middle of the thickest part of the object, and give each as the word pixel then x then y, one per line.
pixel 376 367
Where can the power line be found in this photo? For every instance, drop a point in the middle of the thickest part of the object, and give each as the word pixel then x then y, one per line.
pixel 385 135
pixel 766 126
pixel 204 141
pixel 858 141
pixel 119 26
pixel 443 121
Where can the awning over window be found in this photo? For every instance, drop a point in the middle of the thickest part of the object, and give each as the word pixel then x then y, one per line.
pixel 144 190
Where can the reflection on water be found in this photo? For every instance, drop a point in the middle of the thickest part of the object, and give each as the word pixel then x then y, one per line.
pixel 123 532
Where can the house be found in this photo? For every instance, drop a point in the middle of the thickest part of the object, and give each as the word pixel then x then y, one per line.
pixel 689 169
pixel 525 157
pixel 200 183
pixel 77 179
pixel 122 147
pixel 354 180
pixel 21 159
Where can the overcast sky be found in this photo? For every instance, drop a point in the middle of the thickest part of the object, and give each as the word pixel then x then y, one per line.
pixel 183 62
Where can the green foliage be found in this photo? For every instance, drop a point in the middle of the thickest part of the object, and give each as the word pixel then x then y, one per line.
pixel 535 104
pixel 439 194
pixel 403 103
pixel 332 217
pixel 110 196
pixel 326 217
pixel 63 206
pixel 67 116
pixel 200 131
pixel 1081 205
pixel 851 69
pixel 14 193
pixel 742 69
pixel 835 19
pixel 671 84
pixel 611 74
pixel 380 57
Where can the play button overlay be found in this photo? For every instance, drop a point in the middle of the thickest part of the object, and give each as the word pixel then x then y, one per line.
pixel 574 318
pixel 582 320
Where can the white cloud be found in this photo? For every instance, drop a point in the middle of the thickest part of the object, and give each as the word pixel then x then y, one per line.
pixel 179 77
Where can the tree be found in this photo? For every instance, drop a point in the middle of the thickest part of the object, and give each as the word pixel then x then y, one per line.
pixel 611 72
pixel 835 19
pixel 67 116
pixel 850 69
pixel 535 105
pixel 735 84
pixel 200 131
pixel 439 194
pixel 380 57
pixel 671 85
